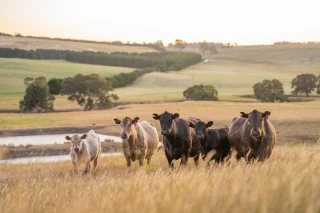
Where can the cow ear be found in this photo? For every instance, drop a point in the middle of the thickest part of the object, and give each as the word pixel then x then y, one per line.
pixel 156 116
pixel 266 113
pixel 210 123
pixel 244 115
pixel 84 136
pixel 191 125
pixel 175 115
pixel 116 120
pixel 136 119
pixel 68 138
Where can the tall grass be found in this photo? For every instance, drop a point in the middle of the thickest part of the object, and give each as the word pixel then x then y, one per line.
pixel 287 182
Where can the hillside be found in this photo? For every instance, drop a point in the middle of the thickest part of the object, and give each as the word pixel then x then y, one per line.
pixel 36 43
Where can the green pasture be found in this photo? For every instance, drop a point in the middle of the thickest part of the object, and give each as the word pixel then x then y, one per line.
pixel 35 43
pixel 14 71
pixel 231 79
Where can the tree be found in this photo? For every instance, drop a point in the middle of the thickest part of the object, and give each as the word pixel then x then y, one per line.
pixel 203 46
pixel 304 83
pixel 88 90
pixel 212 49
pixel 201 92
pixel 160 43
pixel 55 86
pixel 180 44
pixel 318 87
pixel 269 91
pixel 37 95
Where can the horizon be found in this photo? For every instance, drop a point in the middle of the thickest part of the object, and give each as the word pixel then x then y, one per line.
pixel 244 23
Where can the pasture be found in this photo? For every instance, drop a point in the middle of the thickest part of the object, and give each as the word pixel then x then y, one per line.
pixel 36 43
pixel 232 71
pixel 13 72
pixel 287 182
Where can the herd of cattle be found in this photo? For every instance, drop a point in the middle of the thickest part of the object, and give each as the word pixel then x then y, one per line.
pixel 251 135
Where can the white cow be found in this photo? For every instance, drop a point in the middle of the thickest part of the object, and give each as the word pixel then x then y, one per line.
pixel 84 149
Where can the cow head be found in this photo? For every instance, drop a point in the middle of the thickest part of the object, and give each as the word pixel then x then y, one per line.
pixel 127 125
pixel 76 142
pixel 255 121
pixel 166 122
pixel 200 128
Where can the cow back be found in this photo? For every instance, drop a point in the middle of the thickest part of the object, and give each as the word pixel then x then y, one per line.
pixel 150 135
pixel 93 143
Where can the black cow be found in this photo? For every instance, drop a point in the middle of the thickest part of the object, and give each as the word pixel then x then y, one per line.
pixel 212 139
pixel 179 140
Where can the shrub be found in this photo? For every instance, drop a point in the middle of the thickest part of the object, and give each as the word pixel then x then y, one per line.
pixel 201 92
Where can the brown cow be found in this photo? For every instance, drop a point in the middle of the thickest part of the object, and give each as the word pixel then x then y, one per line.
pixel 140 140
pixel 84 149
pixel 252 135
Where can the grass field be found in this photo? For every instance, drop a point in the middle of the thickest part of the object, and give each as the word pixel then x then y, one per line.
pixel 35 43
pixel 287 182
pixel 14 71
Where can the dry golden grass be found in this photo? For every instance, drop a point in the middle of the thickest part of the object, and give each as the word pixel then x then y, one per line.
pixel 287 182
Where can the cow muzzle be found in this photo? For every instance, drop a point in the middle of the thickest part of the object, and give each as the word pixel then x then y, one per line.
pixel 200 137
pixel 123 136
pixel 165 132
pixel 76 149
pixel 256 133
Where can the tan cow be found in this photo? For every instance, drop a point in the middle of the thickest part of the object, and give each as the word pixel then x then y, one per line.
pixel 252 135
pixel 140 139
pixel 84 149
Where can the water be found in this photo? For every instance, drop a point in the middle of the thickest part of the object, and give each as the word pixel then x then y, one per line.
pixel 49 159
pixel 46 139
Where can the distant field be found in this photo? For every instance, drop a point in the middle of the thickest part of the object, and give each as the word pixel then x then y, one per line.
pixel 232 71
pixel 35 43
pixel 14 71
pixel 231 79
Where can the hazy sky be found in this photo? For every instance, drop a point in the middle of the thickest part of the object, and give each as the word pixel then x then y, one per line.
pixel 241 21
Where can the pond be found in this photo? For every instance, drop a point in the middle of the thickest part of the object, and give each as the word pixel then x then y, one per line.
pixel 48 159
pixel 46 139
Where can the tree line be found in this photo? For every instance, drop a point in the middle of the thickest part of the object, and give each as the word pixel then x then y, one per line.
pixel 295 42
pixel 162 60
pixel 47 54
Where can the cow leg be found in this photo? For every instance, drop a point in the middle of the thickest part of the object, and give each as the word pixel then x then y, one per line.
pixel 128 161
pixel 141 161
pixel 196 160
pixel 87 168
pixel 75 167
pixel 148 160
pixel 171 165
pixel 95 162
